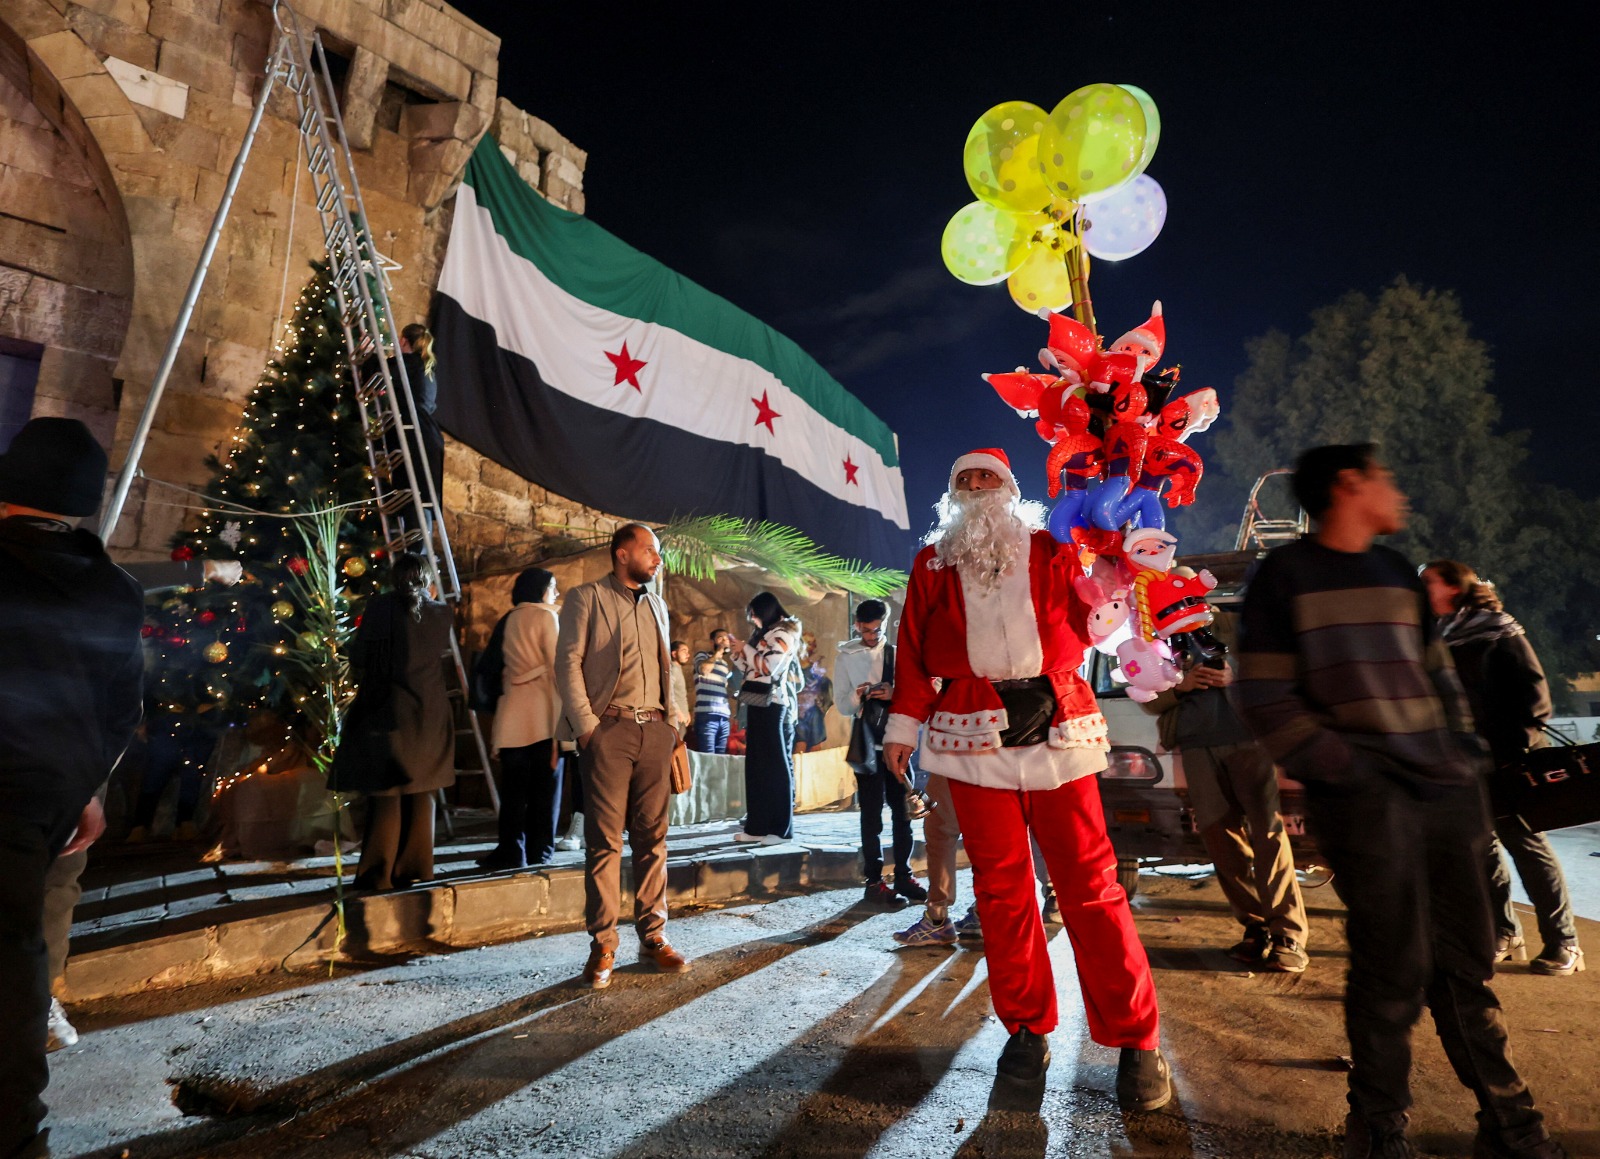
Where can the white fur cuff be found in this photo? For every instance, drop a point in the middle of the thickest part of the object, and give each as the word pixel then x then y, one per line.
pixel 902 729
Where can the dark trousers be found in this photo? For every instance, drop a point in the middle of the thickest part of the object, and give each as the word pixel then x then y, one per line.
pixel 873 792
pixel 173 751
pixel 710 733
pixel 26 851
pixel 769 771
pixel 397 847
pixel 530 802
pixel 1541 876
pixel 1410 872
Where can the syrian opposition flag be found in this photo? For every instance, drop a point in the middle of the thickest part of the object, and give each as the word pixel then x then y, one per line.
pixel 588 368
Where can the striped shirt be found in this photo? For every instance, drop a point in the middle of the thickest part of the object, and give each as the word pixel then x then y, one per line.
pixel 1338 652
pixel 711 688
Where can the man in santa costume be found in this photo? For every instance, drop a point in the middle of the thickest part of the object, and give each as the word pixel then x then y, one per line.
pixel 991 613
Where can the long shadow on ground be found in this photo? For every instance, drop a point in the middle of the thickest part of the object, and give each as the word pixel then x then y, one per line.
pixel 357 1108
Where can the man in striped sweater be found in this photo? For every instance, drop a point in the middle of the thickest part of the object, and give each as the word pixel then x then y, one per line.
pixel 1344 681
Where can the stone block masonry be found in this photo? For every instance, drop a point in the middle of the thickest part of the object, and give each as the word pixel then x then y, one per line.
pixel 119 120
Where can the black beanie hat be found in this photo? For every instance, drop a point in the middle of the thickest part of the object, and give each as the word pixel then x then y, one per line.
pixel 54 465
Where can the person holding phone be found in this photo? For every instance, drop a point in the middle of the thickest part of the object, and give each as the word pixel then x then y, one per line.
pixel 1233 789
pixel 865 670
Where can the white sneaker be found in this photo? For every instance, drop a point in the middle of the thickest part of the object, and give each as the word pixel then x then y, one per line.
pixel 574 839
pixel 62 1033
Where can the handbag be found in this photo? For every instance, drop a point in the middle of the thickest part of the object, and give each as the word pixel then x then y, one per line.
pixel 866 731
pixel 756 694
pixel 1550 788
pixel 682 771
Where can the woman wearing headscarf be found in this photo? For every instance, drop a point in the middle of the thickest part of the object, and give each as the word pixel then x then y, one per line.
pixel 525 727
pixel 770 661
pixel 1510 700
pixel 398 743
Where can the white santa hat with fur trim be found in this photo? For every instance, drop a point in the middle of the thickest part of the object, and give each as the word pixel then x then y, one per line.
pixel 988 459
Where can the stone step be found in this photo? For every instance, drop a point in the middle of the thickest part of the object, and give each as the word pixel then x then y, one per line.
pixel 455 914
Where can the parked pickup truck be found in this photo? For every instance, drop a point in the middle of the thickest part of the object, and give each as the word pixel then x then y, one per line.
pixel 1145 796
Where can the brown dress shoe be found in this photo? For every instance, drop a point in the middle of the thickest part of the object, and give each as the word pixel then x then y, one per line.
pixel 597 970
pixel 665 958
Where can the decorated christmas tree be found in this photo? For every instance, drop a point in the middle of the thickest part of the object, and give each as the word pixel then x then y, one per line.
pixel 299 449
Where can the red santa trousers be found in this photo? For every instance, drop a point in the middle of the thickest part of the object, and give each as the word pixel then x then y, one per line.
pixel 1069 824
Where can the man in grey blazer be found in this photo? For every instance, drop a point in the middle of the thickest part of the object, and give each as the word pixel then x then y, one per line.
pixel 612 668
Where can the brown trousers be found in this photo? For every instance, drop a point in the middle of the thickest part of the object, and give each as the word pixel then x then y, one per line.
pixel 397 847
pixel 626 771
pixel 1234 791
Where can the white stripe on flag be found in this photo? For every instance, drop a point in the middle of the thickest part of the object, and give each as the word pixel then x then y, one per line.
pixel 685 383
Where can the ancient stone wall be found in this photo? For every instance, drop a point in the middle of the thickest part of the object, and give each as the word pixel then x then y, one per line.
pixel 119 121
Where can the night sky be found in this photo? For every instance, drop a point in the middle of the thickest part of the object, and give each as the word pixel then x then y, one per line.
pixel 802 160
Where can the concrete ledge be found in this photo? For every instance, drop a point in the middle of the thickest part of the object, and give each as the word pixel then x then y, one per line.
pixel 457 914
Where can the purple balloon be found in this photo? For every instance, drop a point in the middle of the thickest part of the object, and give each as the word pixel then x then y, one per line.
pixel 1125 221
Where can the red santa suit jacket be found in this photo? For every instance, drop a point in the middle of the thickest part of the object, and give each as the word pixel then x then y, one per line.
pixel 963 637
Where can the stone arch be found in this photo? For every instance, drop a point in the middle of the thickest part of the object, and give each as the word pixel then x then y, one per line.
pixel 66 257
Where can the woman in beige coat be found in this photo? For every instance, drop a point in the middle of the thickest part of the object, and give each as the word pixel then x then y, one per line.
pixel 525 727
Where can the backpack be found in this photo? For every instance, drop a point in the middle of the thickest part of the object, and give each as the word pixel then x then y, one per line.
pixel 489 670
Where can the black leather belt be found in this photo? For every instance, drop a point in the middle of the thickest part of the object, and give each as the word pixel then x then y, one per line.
pixel 1030 707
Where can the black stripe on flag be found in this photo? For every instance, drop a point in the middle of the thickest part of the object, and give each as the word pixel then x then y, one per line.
pixel 495 401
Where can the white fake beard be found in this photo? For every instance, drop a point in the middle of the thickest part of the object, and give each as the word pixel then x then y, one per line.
pixel 983 533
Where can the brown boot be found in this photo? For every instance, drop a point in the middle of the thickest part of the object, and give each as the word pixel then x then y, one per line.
pixel 664 957
pixel 597 970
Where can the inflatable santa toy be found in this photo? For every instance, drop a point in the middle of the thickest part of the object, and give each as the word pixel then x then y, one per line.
pixel 993 617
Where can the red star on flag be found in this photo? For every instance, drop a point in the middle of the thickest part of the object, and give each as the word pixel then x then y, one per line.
pixel 628 368
pixel 764 413
pixel 850 470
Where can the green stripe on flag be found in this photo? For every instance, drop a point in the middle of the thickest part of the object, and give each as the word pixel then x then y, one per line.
pixel 589 263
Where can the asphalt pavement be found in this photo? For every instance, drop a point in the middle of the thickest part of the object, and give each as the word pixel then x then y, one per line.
pixel 801 1031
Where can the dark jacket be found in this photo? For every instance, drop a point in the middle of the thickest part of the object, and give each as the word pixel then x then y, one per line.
pixel 1506 687
pixel 71 671
pixel 399 736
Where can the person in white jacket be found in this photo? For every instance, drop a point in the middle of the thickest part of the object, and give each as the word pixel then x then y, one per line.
pixel 525 727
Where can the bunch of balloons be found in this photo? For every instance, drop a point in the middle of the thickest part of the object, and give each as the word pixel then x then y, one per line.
pixel 1050 183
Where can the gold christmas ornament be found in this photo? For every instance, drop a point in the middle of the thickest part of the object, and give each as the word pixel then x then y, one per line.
pixel 355 566
pixel 310 641
pixel 282 609
pixel 216 652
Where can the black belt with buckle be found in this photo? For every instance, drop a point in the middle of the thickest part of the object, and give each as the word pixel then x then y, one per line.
pixel 638 715
pixel 1030 707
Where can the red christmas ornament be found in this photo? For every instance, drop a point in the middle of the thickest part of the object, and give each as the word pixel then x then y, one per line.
pixel 147 631
pixel 298 564
pixel 178 641
pixel 358 621
pixel 378 553
pixel 183 553
pixel 206 617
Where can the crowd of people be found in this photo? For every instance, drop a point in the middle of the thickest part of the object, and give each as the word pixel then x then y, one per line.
pixel 977 718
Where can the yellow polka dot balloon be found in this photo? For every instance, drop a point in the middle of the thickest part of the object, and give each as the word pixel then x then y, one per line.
pixel 1042 281
pixel 983 244
pixel 1094 141
pixel 1001 157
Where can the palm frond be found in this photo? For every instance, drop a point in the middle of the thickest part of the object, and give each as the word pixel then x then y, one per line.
pixel 696 546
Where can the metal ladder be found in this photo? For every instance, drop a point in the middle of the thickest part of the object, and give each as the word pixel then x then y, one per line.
pixel 407 494
pixel 1257 531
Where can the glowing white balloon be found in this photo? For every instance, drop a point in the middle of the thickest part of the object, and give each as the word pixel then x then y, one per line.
pixel 1125 221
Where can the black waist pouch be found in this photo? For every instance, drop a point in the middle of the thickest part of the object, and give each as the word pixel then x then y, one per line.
pixel 1030 707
